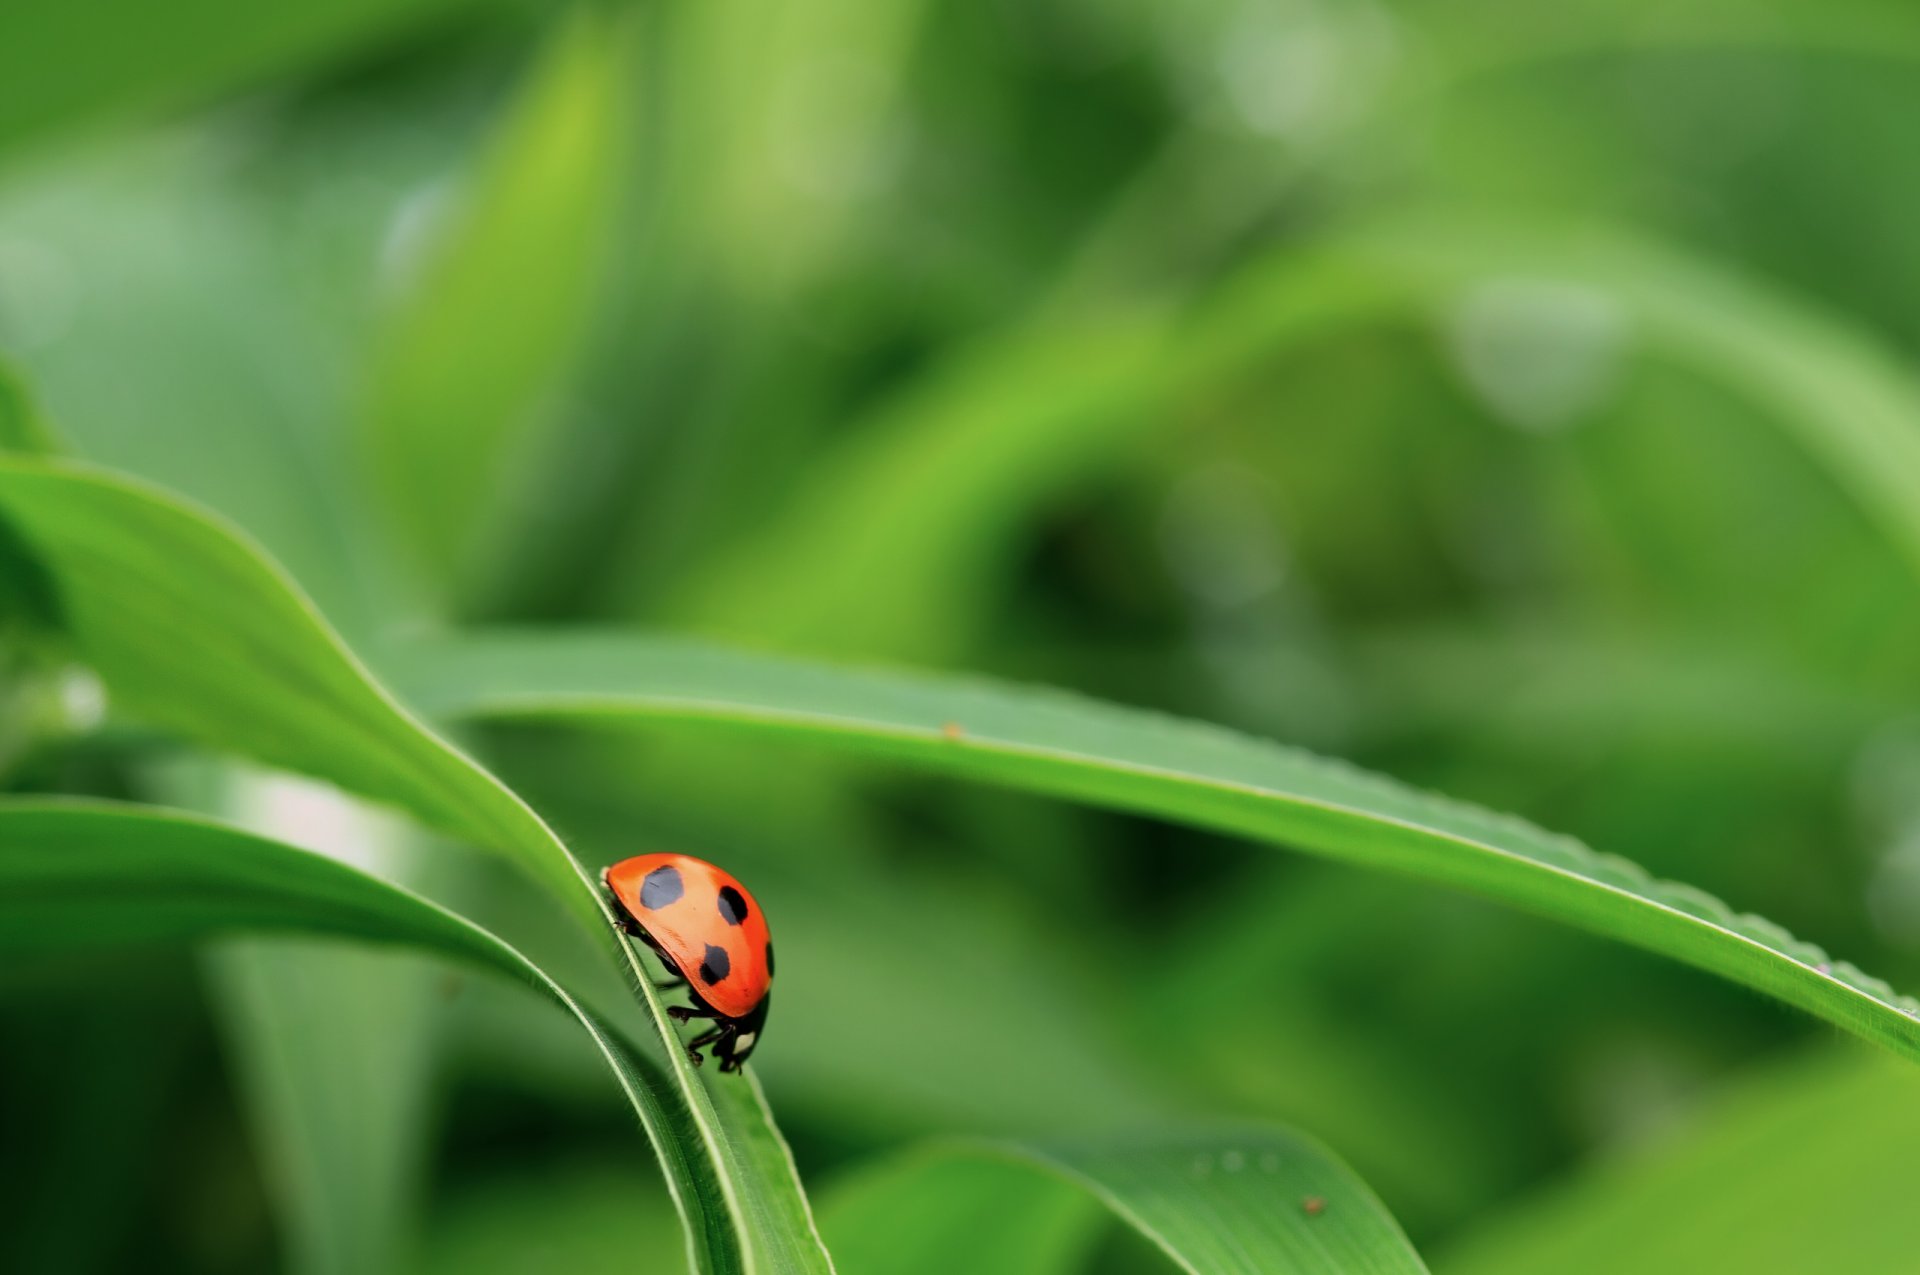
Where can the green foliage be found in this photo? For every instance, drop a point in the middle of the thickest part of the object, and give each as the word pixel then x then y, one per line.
pixel 453 398
pixel 121 556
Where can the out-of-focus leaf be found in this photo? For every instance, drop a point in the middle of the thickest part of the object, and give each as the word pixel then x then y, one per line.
pixel 1188 772
pixel 230 347
pixel 66 64
pixel 954 472
pixel 1851 401
pixel 501 308
pixel 1804 1167
pixel 192 628
pixel 923 1212
pixel 333 1049
pixel 22 427
pixel 785 126
pixel 333 1057
pixel 1253 1202
pixel 586 1219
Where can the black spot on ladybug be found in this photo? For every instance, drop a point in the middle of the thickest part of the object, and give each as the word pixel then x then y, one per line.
pixel 715 966
pixel 769 960
pixel 733 905
pixel 662 886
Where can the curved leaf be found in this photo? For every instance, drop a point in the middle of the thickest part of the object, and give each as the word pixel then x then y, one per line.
pixel 1251 1202
pixel 86 874
pixel 192 628
pixel 1189 772
pixel 492 326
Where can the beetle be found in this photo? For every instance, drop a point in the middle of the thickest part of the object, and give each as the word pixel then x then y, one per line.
pixel 711 934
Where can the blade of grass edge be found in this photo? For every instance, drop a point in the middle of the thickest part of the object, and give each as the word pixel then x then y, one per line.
pixel 1052 742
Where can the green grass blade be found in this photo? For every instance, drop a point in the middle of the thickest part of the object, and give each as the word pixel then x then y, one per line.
pixel 1256 1202
pixel 493 325
pixel 81 875
pixel 192 628
pixel 1051 742
pixel 1804 1167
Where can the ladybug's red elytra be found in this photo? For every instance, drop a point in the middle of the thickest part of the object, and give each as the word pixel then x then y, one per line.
pixel 712 934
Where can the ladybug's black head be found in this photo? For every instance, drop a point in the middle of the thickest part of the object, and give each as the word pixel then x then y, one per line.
pixel 743 1034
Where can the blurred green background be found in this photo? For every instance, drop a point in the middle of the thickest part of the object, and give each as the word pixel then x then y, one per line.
pixel 1484 391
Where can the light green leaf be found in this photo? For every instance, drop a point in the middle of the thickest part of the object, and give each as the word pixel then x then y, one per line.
pixel 1253 1202
pixel 193 629
pixel 64 64
pixel 1188 772
pixel 783 119
pixel 22 427
pixel 494 323
pixel 1803 1167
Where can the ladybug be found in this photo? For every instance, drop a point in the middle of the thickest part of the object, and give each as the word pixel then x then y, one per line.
pixel 709 931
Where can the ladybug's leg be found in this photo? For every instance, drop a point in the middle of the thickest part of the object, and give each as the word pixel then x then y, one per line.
pixel 705 1038
pixel 687 1013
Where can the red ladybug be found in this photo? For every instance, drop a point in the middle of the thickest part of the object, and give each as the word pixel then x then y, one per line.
pixel 710 932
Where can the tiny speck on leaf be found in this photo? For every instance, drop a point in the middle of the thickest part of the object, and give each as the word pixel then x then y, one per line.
pixel 952 730
pixel 1313 1206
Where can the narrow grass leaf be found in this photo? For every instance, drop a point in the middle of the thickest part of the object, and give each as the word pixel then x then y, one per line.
pixel 1187 772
